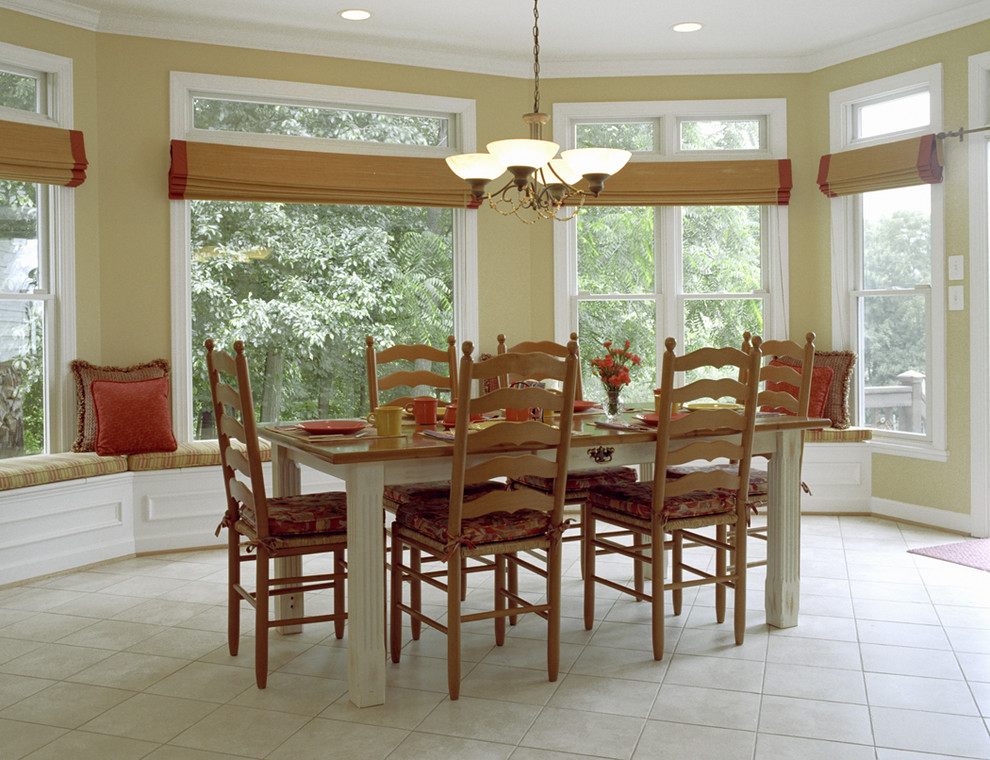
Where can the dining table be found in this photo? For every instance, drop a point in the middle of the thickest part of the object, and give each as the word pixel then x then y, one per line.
pixel 366 463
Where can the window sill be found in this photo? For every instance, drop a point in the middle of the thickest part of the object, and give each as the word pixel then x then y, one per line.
pixel 907 448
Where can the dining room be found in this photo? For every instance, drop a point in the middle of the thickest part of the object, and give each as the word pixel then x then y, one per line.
pixel 301 193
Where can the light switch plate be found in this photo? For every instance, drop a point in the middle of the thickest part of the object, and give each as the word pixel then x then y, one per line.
pixel 956 297
pixel 955 267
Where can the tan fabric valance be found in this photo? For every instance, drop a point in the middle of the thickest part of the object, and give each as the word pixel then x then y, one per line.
pixel 914 161
pixel 210 171
pixel 699 183
pixel 35 153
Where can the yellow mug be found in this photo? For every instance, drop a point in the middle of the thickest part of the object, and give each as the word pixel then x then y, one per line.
pixel 387 419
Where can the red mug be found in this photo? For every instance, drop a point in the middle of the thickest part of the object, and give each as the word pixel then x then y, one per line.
pixel 520 415
pixel 450 415
pixel 423 410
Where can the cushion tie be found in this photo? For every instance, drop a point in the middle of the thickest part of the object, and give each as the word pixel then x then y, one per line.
pixel 229 518
pixel 554 532
pixel 453 542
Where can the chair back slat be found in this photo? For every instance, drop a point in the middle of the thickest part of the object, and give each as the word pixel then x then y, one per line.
pixel 402 377
pixel 707 388
pixel 797 372
pixel 720 448
pixel 243 476
pixel 541 347
pixel 514 441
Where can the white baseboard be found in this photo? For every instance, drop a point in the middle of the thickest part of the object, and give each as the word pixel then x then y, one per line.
pixel 936 518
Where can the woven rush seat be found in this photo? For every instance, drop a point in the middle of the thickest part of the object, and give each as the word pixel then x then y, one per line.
pixel 299 515
pixel 406 492
pixel 429 518
pixel 581 480
pixel 636 499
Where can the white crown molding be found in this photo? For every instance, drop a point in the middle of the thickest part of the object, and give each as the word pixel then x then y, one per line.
pixel 323 42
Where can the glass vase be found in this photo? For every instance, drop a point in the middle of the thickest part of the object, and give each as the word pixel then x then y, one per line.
pixel 613 402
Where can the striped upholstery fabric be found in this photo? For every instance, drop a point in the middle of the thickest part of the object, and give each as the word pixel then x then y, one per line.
pixel 835 435
pixel 191 454
pixel 303 515
pixel 437 489
pixel 38 469
pixel 759 482
pixel 636 499
pixel 582 480
pixel 429 517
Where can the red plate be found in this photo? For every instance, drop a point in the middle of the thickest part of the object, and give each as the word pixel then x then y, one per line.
pixel 650 418
pixel 583 406
pixel 333 427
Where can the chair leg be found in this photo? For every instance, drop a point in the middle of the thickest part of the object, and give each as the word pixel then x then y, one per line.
pixel 739 597
pixel 415 589
pixel 638 577
pixel 454 580
pixel 656 600
pixel 395 618
pixel 263 562
pixel 588 556
pixel 500 597
pixel 339 593
pixel 233 598
pixel 512 570
pixel 553 614
pixel 721 566
pixel 676 558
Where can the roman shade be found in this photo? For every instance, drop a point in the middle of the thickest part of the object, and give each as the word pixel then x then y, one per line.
pixel 36 153
pixel 699 183
pixel 903 163
pixel 212 171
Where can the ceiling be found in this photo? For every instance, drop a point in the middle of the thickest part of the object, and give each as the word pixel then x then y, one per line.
pixel 577 37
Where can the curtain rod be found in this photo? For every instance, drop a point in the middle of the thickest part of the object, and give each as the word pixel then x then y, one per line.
pixel 960 132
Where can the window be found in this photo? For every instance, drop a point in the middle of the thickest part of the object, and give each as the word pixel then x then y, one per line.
pixel 887 249
pixel 36 273
pixel 702 274
pixel 304 284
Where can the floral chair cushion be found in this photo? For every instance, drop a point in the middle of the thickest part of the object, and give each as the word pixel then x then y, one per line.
pixel 636 499
pixel 758 479
pixel 582 480
pixel 429 517
pixel 407 492
pixel 304 514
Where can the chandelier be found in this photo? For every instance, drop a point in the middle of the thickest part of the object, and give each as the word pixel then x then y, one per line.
pixel 540 184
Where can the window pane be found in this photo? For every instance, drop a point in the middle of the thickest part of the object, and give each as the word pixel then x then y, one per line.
pixel 619 321
pixel 18 91
pixel 615 250
pixel 18 237
pixel 721 134
pixel 894 341
pixel 722 249
pixel 331 123
pixel 895 115
pixel 22 382
pixel 634 136
pixel 303 285
pixel 897 238
pixel 720 322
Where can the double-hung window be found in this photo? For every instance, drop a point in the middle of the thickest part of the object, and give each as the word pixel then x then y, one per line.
pixel 702 272
pixel 303 283
pixel 36 270
pixel 887 247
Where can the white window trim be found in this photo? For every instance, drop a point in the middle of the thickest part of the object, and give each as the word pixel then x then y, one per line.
pixel 670 113
pixel 60 333
pixel 979 292
pixel 184 85
pixel 841 137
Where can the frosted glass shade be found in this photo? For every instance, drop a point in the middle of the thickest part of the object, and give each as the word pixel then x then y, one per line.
pixel 564 171
pixel 531 153
pixel 596 160
pixel 474 166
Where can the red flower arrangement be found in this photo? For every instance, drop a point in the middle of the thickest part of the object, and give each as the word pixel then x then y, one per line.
pixel 613 368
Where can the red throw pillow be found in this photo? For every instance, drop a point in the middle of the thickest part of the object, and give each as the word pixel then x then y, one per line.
pixel 821 382
pixel 132 417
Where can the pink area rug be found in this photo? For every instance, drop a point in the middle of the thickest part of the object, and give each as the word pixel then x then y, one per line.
pixel 973 553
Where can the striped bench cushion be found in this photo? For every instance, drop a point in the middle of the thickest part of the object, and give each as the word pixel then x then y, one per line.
pixel 38 469
pixel 636 499
pixel 835 435
pixel 190 454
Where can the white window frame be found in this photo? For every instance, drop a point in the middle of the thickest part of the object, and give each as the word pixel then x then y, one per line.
pixel 845 258
pixel 184 86
pixel 58 290
pixel 668 115
pixel 979 291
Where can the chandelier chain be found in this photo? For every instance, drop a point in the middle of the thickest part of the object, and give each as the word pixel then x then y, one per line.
pixel 536 56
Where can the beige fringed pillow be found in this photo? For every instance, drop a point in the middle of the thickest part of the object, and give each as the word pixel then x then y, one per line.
pixel 837 401
pixel 85 373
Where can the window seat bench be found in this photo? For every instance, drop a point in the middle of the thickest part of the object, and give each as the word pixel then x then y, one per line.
pixel 62 511
pixel 837 468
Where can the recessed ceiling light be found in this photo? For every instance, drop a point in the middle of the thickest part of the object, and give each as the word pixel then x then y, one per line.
pixel 355 15
pixel 687 26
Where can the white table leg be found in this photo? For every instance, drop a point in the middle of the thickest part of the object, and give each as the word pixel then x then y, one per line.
pixel 286 481
pixel 783 585
pixel 365 584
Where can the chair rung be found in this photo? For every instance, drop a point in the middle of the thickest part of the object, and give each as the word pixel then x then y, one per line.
pixel 511 611
pixel 304 620
pixel 302 588
pixel 416 614
pixel 643 597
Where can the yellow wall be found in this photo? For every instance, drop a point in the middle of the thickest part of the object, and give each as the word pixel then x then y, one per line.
pixel 122 254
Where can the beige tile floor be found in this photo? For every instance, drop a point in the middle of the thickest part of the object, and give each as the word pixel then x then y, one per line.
pixel 891 661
